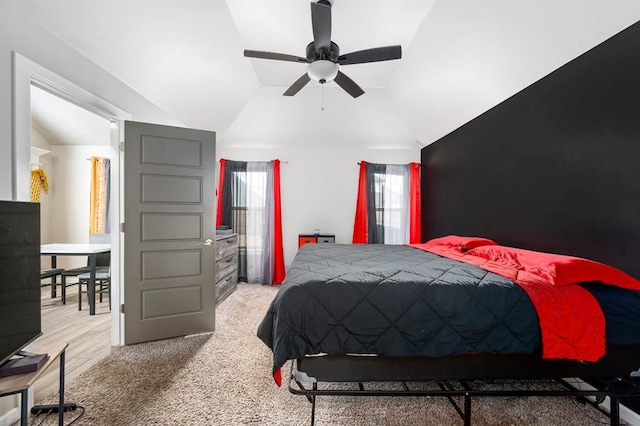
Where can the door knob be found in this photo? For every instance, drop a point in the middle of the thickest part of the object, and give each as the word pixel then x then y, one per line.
pixel 208 242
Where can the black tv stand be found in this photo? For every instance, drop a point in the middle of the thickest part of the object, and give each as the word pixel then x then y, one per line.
pixel 20 384
pixel 24 362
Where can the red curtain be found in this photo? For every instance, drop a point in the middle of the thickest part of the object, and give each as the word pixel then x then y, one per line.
pixel 360 227
pixel 414 204
pixel 219 192
pixel 278 257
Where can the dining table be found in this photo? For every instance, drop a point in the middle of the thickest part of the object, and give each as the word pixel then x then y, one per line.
pixel 91 250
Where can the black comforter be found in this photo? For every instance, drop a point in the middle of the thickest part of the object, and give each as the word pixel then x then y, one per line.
pixel 394 301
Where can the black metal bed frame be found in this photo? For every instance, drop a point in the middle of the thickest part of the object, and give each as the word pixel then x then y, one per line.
pixel 450 388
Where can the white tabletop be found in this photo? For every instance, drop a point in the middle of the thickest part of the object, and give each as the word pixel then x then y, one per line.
pixel 73 249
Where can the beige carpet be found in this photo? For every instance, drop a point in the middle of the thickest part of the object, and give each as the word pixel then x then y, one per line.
pixel 224 379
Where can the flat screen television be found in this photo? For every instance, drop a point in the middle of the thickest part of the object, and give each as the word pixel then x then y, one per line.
pixel 19 276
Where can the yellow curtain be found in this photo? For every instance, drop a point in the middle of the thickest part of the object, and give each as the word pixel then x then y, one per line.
pixel 99 198
pixel 39 183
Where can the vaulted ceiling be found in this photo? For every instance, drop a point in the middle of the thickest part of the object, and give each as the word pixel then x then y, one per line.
pixel 460 58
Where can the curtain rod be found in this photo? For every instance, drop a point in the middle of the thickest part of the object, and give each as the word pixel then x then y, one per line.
pixel 401 164
pixel 267 161
pixel 281 162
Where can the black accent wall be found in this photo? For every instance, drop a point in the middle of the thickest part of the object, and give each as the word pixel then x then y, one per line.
pixel 555 168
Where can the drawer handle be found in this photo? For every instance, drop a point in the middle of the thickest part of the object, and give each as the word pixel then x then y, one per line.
pixel 229 260
pixel 229 241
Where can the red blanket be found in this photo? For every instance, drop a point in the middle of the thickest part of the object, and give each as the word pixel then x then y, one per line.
pixel 571 320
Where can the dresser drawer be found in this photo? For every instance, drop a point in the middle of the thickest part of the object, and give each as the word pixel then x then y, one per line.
pixel 326 239
pixel 226 265
pixel 226 285
pixel 226 246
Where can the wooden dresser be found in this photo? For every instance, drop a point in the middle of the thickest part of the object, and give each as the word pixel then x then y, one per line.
pixel 226 265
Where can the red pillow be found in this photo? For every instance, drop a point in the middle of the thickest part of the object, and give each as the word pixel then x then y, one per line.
pixel 557 269
pixel 458 242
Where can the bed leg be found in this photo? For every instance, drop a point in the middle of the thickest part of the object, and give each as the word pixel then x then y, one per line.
pixel 467 409
pixel 313 404
pixel 614 410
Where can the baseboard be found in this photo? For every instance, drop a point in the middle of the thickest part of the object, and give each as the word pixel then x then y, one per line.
pixel 13 415
pixel 626 414
pixel 629 416
pixel 10 417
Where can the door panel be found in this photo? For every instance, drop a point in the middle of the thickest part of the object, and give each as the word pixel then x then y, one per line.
pixel 171 189
pixel 171 226
pixel 171 302
pixel 169 282
pixel 171 264
pixel 173 152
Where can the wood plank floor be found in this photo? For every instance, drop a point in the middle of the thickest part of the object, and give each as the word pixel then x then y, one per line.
pixel 88 336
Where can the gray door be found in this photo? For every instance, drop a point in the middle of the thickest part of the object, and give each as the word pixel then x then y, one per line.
pixel 169 284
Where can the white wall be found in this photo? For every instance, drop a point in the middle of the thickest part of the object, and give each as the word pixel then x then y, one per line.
pixel 318 186
pixel 64 211
pixel 19 33
pixel 69 187
pixel 316 117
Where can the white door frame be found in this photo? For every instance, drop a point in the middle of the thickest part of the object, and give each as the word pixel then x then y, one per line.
pixel 27 73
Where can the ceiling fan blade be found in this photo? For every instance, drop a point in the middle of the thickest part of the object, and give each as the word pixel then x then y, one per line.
pixel 276 56
pixel 321 21
pixel 376 54
pixel 348 85
pixel 299 84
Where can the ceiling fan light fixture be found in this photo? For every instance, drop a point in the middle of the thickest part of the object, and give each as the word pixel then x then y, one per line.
pixel 322 71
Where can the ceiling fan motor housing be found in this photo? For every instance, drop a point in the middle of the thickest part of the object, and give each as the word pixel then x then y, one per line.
pixel 312 55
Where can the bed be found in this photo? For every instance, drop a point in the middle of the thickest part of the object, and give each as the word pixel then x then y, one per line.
pixel 553 168
pixel 453 310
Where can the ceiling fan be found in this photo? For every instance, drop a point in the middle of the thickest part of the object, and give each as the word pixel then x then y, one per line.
pixel 323 55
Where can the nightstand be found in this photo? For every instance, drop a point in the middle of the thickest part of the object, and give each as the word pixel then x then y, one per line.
pixel 315 239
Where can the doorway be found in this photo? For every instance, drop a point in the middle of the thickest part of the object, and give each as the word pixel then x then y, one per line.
pixel 27 74
pixel 64 137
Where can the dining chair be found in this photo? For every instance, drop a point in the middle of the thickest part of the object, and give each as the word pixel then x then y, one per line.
pixel 51 273
pixel 102 285
pixel 103 262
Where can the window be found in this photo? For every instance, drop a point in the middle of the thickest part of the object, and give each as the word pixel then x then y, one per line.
pixel 388 207
pixel 392 208
pixel 248 202
pixel 248 206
